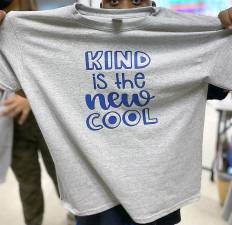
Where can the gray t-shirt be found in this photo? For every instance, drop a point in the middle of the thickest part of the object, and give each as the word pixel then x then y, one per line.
pixel 120 97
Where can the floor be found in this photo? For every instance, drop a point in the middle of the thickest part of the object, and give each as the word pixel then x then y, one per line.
pixel 205 212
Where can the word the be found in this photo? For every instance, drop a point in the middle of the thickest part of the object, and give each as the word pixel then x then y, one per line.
pixel 121 81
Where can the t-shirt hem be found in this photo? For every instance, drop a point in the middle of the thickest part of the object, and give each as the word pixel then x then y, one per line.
pixel 167 211
pixel 141 220
pixel 97 210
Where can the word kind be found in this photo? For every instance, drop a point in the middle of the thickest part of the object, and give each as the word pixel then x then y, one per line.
pixel 117 60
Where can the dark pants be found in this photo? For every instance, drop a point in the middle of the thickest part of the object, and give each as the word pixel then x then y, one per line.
pixel 118 216
pixel 28 141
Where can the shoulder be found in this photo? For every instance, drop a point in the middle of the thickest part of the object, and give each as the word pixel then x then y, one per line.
pixel 26 23
pixel 188 19
pixel 22 17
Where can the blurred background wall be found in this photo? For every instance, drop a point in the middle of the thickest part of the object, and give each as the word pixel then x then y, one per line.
pixel 208 7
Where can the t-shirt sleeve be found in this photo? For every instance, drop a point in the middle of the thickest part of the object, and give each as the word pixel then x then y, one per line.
pixel 220 73
pixel 9 56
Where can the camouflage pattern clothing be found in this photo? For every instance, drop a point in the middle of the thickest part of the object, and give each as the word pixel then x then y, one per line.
pixel 28 141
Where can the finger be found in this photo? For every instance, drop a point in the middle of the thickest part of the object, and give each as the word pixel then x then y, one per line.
pixel 8 110
pixel 15 112
pixel 230 16
pixel 225 18
pixel 222 17
pixel 2 15
pixel 9 101
pixel 23 117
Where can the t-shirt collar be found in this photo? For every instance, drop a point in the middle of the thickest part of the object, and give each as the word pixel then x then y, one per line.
pixel 114 19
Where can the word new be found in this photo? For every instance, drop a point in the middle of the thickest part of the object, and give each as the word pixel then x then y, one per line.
pixel 116 100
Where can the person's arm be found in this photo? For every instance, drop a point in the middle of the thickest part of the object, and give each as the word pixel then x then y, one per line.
pixel 225 17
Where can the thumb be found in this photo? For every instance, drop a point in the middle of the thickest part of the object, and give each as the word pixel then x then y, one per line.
pixel 2 15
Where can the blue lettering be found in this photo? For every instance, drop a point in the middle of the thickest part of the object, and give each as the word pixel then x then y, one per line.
pixel 110 100
pixel 146 118
pixel 92 60
pixel 123 60
pixel 112 119
pixel 141 60
pixel 90 122
pixel 106 60
pixel 131 118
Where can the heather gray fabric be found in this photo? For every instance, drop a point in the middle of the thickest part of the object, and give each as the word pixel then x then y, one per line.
pixel 6 141
pixel 120 98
